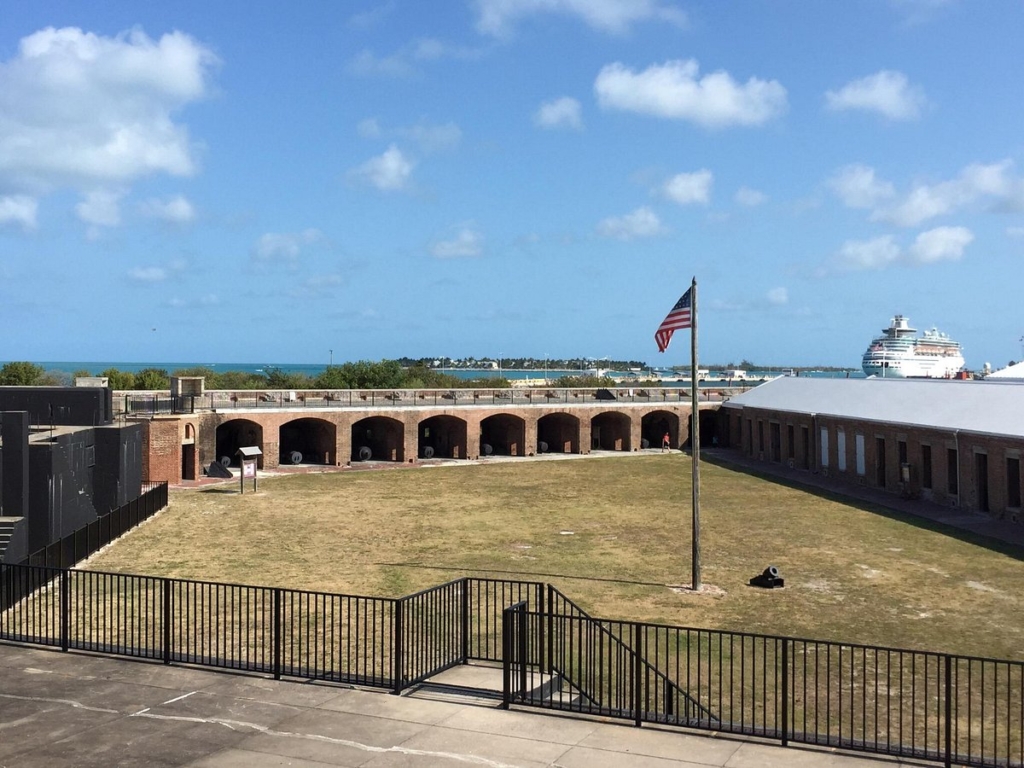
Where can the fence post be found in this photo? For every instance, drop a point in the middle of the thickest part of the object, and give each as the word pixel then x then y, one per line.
pixel 506 659
pixel 522 620
pixel 398 661
pixel 637 672
pixel 540 626
pixel 167 620
pixel 65 610
pixel 948 687
pixel 551 629
pixel 785 692
pixel 277 633
pixel 465 620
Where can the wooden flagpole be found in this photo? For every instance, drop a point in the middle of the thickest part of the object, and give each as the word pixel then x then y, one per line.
pixel 695 436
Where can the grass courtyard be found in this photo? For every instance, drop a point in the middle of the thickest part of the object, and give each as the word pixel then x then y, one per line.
pixel 614 535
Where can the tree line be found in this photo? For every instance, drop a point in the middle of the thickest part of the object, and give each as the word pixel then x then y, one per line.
pixel 363 374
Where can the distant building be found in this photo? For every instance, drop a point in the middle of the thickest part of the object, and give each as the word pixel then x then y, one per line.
pixel 63 463
pixel 957 443
pixel 1013 372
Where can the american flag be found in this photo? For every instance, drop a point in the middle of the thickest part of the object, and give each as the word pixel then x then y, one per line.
pixel 675 320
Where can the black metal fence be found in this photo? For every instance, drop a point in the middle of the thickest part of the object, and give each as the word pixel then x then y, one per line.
pixel 958 710
pixel 81 543
pixel 932 706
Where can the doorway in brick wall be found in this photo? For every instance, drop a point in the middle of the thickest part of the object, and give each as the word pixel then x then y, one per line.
pixel 188 453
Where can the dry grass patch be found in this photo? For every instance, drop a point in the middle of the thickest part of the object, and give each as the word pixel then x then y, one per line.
pixel 852 574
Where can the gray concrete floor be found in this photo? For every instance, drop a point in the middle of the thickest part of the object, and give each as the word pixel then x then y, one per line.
pixel 60 710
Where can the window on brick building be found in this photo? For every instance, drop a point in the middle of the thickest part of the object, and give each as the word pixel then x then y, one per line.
pixel 926 466
pixel 952 471
pixel 1012 482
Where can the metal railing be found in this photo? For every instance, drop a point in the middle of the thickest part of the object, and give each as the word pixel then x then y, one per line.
pixel 152 403
pixel 957 710
pixel 90 538
pixel 904 703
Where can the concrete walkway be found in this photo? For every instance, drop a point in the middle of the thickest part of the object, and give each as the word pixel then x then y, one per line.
pixel 61 710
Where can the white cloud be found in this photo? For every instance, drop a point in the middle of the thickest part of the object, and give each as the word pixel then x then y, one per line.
pixel 387 172
pixel 207 300
pixel 499 17
pixel 368 64
pixel 858 187
pixel 643 222
pixel 81 110
pixel 403 63
pixel 430 137
pixel 868 254
pixel 432 49
pixel 317 286
pixel 371 17
pixel 466 243
pixel 940 244
pixel 368 128
pixel 935 245
pixel 689 188
pixel 157 274
pixel 673 90
pixel 750 197
pixel 887 92
pixel 433 138
pixel 176 210
pixel 778 296
pixel 1015 231
pixel 563 112
pixel 284 246
pixel 926 201
pixel 19 209
pixel 148 274
pixel 101 208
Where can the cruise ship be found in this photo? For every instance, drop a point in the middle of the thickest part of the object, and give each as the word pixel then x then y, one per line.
pixel 901 354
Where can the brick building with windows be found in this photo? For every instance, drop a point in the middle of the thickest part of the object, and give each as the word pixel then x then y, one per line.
pixel 957 443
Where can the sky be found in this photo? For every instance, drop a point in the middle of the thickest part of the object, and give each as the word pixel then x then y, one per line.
pixel 298 182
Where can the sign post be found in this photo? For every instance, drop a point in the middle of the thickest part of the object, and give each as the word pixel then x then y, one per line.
pixel 248 457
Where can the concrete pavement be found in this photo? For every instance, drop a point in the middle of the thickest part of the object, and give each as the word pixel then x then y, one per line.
pixel 59 710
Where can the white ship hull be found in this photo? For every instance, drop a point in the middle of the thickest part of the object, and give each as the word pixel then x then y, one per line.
pixel 900 354
pixel 915 367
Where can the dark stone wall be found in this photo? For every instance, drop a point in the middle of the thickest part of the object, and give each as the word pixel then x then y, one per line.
pixel 63 406
pixel 60 486
pixel 14 429
pixel 117 476
pixel 62 482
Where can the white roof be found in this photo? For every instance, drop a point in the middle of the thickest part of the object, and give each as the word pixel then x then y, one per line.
pixel 1015 371
pixel 991 407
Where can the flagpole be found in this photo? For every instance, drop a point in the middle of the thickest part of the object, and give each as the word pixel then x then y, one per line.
pixel 695 436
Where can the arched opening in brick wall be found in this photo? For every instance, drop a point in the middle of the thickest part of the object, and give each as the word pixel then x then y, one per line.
pixel 609 431
pixel 378 438
pixel 307 441
pixel 236 433
pixel 442 437
pixel 653 427
pixel 503 435
pixel 558 433
pixel 708 429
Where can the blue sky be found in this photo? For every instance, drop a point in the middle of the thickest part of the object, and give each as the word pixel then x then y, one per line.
pixel 265 182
